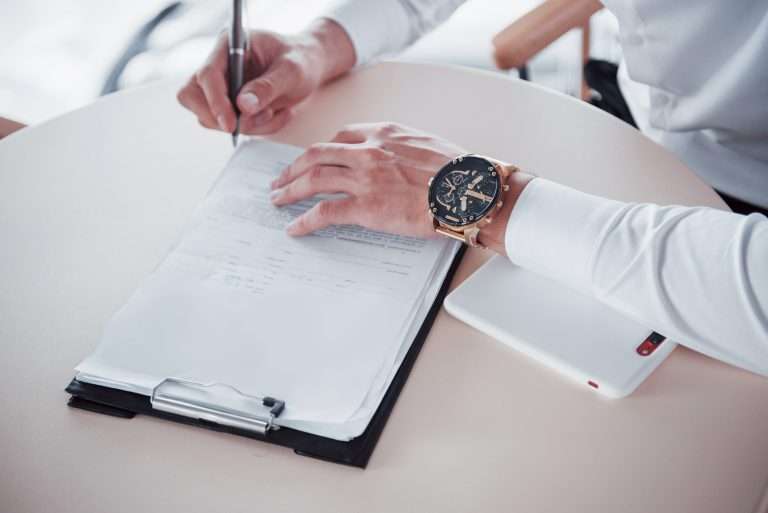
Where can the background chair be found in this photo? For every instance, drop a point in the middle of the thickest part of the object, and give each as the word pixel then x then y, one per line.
pixel 528 35
pixel 521 40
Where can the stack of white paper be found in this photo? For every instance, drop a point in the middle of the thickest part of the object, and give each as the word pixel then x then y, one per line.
pixel 321 322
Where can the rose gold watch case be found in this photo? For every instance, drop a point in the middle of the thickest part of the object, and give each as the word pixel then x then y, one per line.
pixel 469 233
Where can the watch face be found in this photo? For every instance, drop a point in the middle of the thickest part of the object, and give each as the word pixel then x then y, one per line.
pixel 464 190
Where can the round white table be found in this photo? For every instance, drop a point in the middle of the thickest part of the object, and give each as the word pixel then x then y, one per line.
pixel 91 201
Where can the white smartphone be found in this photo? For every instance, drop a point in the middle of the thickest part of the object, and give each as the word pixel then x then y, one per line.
pixel 570 332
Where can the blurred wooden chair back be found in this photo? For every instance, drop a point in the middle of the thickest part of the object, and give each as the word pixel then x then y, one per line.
pixel 528 35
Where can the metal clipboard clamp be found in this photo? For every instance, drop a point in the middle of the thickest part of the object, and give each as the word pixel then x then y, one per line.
pixel 217 403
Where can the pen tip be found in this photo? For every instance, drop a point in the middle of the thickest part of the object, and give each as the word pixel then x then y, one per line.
pixel 236 132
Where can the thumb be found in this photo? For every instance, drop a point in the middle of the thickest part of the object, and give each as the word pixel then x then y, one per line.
pixel 260 92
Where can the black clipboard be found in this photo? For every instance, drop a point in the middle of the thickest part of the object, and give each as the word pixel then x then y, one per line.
pixel 355 453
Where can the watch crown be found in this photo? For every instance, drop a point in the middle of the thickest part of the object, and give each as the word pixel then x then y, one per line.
pixel 505 188
pixel 500 203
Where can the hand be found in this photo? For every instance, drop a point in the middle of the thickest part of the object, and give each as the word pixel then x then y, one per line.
pixel 384 171
pixel 280 72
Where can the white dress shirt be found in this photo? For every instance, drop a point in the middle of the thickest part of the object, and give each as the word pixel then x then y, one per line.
pixel 697 275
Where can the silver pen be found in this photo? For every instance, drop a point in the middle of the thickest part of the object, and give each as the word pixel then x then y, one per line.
pixel 236 64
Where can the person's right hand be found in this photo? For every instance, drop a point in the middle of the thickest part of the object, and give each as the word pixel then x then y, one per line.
pixel 280 72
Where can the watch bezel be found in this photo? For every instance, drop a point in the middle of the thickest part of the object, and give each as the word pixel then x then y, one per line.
pixel 461 226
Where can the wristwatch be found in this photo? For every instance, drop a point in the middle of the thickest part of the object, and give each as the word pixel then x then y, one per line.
pixel 465 194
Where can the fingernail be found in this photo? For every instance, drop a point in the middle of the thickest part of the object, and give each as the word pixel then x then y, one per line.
pixel 275 195
pixel 222 122
pixel 249 102
pixel 275 183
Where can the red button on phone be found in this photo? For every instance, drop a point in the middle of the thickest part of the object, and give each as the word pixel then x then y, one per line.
pixel 650 344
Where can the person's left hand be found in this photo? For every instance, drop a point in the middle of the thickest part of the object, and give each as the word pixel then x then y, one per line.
pixel 384 170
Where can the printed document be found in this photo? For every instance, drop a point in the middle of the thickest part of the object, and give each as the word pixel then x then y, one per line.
pixel 321 322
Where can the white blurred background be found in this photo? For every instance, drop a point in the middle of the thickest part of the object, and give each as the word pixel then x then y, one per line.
pixel 56 56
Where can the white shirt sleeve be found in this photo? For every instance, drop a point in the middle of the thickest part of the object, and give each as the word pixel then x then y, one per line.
pixel 696 275
pixel 380 27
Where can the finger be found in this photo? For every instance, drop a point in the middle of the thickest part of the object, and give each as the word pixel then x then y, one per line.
pixel 275 82
pixel 318 180
pixel 259 119
pixel 277 121
pixel 320 154
pixel 349 136
pixel 208 123
pixel 281 103
pixel 213 83
pixel 266 114
pixel 322 215
pixel 192 97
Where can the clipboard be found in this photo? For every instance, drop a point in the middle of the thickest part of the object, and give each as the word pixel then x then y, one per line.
pixel 167 403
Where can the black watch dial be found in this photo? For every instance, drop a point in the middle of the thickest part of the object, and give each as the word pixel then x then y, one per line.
pixel 464 190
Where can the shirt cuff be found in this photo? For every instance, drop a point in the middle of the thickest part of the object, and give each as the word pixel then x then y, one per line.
pixel 553 231
pixel 375 27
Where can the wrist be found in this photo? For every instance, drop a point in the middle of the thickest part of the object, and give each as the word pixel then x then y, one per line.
pixel 493 235
pixel 331 47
